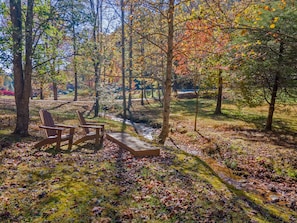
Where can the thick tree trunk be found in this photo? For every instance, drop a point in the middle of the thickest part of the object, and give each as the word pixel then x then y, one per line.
pixel 168 79
pixel 274 90
pixel 218 110
pixel 22 77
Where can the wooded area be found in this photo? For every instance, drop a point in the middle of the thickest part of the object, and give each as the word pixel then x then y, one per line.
pixel 247 47
pixel 220 77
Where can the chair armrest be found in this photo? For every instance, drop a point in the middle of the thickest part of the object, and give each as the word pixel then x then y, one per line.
pixel 92 126
pixel 70 127
pixel 50 127
pixel 64 126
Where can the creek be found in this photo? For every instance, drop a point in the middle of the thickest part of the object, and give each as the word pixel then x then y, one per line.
pixel 150 133
pixel 142 129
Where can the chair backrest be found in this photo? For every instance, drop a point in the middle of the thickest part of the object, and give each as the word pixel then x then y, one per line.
pixel 82 121
pixel 47 120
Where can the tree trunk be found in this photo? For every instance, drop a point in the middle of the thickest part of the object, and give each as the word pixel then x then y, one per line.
pixel 41 92
pixel 75 86
pixel 98 61
pixel 274 90
pixel 272 104
pixel 142 96
pixel 152 91
pixel 55 91
pixel 145 93
pixel 123 60
pixel 22 78
pixel 197 103
pixel 218 110
pixel 168 79
pixel 96 105
pixel 159 92
pixel 75 77
pixel 130 57
pixel 74 55
pixel 142 83
pixel 174 85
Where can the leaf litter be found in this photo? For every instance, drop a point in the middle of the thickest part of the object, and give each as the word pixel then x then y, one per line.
pixel 110 185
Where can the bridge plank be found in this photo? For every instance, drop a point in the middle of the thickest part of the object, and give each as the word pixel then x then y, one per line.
pixel 133 145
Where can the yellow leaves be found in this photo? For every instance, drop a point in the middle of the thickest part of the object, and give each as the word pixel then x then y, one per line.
pixel 258 42
pixel 282 4
pixel 251 53
pixel 275 19
pixel 243 32
pixel 237 20
pixel 268 8
pixel 272 26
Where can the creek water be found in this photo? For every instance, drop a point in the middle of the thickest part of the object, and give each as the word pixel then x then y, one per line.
pixel 142 129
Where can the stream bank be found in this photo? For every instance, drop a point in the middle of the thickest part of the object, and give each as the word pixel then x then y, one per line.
pixel 150 133
pixel 269 191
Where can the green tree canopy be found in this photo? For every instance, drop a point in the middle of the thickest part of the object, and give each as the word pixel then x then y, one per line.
pixel 267 51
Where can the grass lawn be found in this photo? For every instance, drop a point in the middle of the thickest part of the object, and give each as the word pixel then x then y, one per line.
pixel 227 171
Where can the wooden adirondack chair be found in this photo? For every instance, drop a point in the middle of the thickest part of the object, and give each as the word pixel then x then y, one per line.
pixel 97 133
pixel 54 131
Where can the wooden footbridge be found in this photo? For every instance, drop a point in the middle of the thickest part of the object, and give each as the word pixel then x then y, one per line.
pixel 133 145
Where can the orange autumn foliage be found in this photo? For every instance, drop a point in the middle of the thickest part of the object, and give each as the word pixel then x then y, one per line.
pixel 200 41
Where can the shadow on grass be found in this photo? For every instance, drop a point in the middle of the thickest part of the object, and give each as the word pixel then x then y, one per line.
pixel 206 173
pixel 84 148
pixel 206 110
pixel 87 147
pixel 124 188
pixel 59 106
pixel 7 138
pixel 283 132
pixel 187 107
